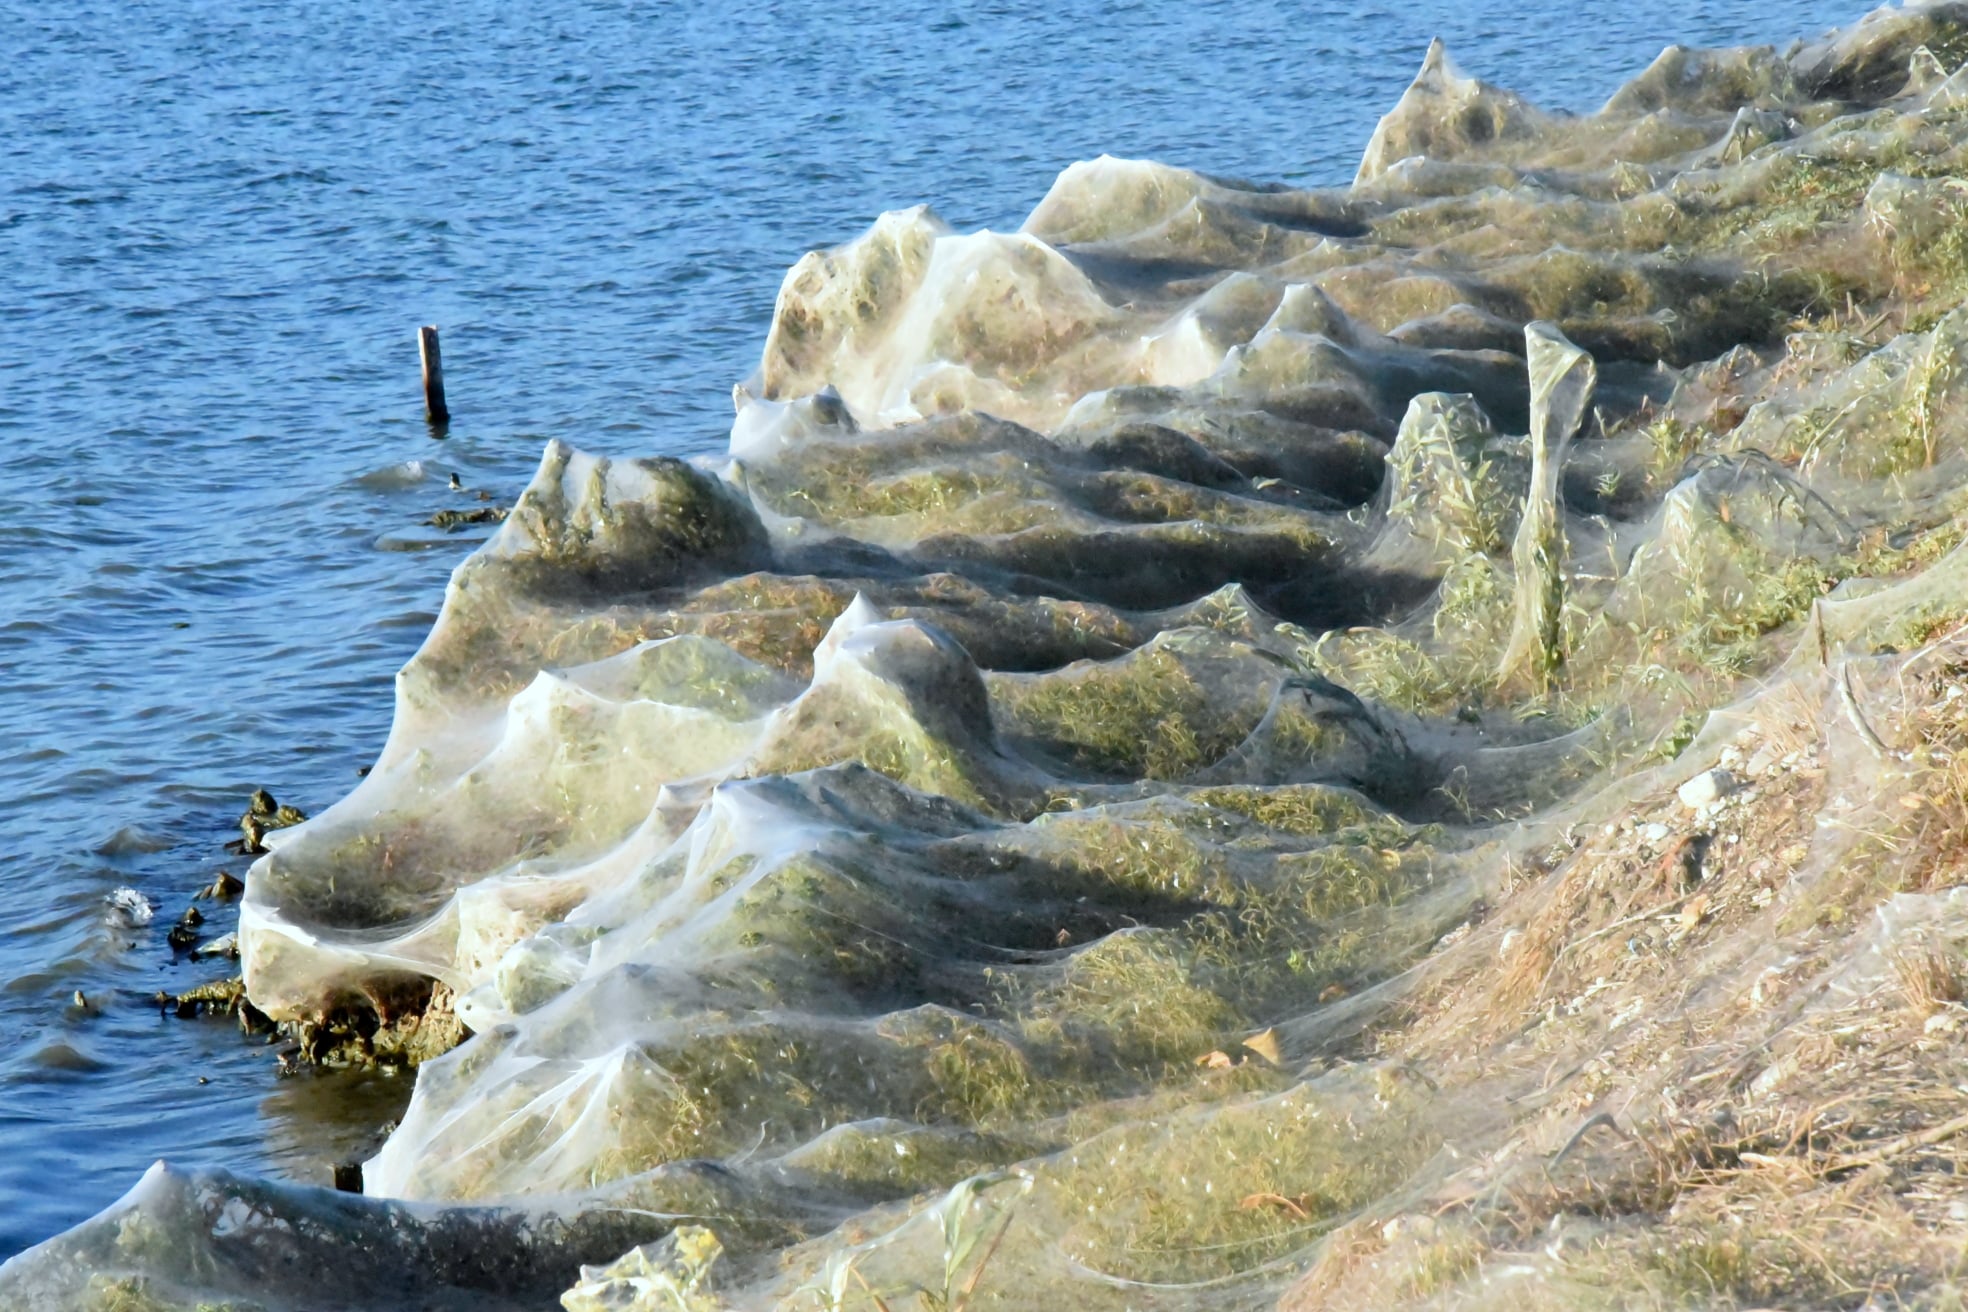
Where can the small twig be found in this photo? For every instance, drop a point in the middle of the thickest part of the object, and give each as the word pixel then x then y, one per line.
pixel 1740 1067
pixel 1545 1089
pixel 1851 703
pixel 880 1303
pixel 1648 914
pixel 977 1272
pixel 1899 1147
pixel 1591 1123
pixel 1808 1125
pixel 1255 1201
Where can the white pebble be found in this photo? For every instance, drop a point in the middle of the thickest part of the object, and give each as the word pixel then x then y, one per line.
pixel 226 945
pixel 1706 789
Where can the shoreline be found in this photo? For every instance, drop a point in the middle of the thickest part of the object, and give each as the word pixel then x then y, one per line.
pixel 1049 644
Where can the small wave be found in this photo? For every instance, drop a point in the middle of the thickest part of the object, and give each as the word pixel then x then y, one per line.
pixel 292 175
pixel 390 478
pixel 59 1056
pixel 130 840
pixel 415 540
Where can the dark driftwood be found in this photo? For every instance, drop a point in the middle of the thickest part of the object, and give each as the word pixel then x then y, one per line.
pixel 434 406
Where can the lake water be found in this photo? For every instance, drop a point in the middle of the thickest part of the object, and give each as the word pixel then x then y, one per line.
pixel 219 228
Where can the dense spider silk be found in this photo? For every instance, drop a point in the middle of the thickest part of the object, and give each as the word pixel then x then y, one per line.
pixel 1096 798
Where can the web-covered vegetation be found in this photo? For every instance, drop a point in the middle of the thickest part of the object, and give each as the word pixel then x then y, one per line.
pixel 1148 779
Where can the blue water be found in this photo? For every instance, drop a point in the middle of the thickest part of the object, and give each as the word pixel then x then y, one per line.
pixel 219 227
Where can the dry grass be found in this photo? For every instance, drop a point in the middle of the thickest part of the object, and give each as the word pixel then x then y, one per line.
pixel 1930 979
pixel 1688 1118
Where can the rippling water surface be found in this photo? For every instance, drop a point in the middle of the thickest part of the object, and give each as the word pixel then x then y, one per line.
pixel 219 226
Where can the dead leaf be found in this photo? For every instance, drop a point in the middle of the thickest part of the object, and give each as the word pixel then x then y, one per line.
pixel 1265 1045
pixel 1216 1061
pixel 1251 1202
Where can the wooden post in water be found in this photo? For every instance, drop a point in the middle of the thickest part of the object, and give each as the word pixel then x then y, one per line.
pixel 434 407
